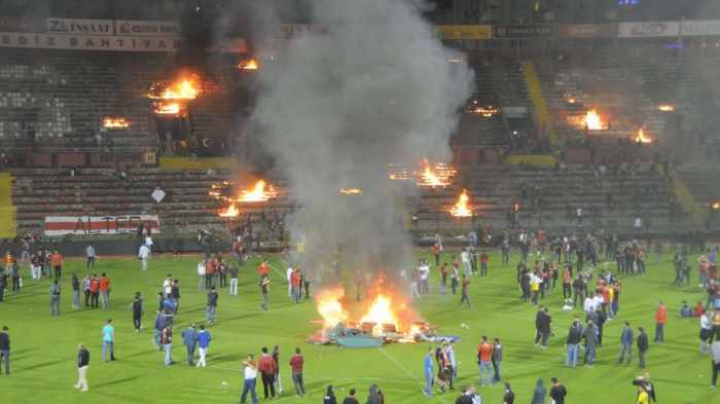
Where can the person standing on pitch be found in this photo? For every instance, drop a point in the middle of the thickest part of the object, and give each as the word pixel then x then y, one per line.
pixel 76 292
pixel 660 321
pixel 296 365
pixel 203 340
pixel 90 255
pixel 104 291
pixel 266 366
pixel 212 300
pixel 497 358
pixel 429 374
pixel 265 289
pixel 557 392
pixel 55 299
pixel 276 359
pixel 233 280
pixel 83 362
pixel 484 355
pixel 626 339
pixel 5 350
pixel 166 337
pixel 108 333
pixel 250 380
pixel 137 309
pixel 714 359
pixel 465 297
pixel 643 345
pixel 190 338
pixel 144 256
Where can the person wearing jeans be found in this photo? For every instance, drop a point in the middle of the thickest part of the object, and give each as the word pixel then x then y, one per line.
pixel 497 358
pixel 250 373
pixel 715 361
pixel 212 299
pixel 626 339
pixel 166 341
pixel 485 352
pixel 660 320
pixel 296 364
pixel 267 369
pixel 233 281
pixel 108 332
pixel 573 344
pixel 428 368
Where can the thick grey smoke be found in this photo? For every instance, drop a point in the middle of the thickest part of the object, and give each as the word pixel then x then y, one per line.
pixel 375 87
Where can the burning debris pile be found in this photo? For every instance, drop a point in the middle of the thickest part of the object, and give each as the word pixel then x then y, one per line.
pixel 224 191
pixel 171 97
pixel 384 317
pixel 461 207
pixel 426 175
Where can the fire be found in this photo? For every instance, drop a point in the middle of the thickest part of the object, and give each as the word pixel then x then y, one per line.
pixel 715 205
pixel 167 108
pixel 249 64
pixel 185 88
pixel 461 208
pixel 380 314
pixel 230 211
pixel 438 176
pixel 666 107
pixel 641 138
pixel 351 191
pixel 487 111
pixel 592 120
pixel 115 123
pixel 330 307
pixel 571 100
pixel 260 192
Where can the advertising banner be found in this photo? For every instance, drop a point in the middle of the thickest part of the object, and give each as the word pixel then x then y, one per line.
pixel 700 28
pixel 78 26
pixel 450 32
pixel 523 31
pixel 85 225
pixel 651 29
pixel 147 28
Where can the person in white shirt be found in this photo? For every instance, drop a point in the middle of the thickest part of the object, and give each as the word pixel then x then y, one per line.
pixel 465 259
pixel 201 275
pixel 144 255
pixel 250 373
pixel 424 272
pixel 288 275
pixel 167 285
pixel 590 304
pixel 705 333
pixel 149 242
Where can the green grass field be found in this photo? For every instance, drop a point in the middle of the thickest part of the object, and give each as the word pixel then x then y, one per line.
pixel 44 348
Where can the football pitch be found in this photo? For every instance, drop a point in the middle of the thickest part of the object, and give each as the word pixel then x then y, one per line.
pixel 44 348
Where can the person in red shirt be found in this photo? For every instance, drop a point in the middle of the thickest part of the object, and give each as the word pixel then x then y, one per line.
pixel 267 368
pixel 94 291
pixel 484 264
pixel 436 253
pixel 660 320
pixel 485 351
pixel 698 310
pixel 57 261
pixel 104 287
pixel 263 269
pixel 296 364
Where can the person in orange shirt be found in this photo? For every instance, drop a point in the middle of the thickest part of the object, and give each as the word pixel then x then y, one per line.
pixel 104 288
pixel 94 291
pixel 210 269
pixel 660 320
pixel 57 261
pixel 264 269
pixel 296 282
pixel 485 351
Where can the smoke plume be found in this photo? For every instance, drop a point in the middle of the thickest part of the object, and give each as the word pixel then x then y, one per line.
pixel 373 86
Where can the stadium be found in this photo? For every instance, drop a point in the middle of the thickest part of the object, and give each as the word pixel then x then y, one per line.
pixel 346 201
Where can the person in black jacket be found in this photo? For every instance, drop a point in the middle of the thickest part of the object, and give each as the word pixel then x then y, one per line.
pixel 572 342
pixel 509 397
pixel 544 327
pixel 642 345
pixel 5 350
pixel 83 362
pixel 137 309
pixel 329 396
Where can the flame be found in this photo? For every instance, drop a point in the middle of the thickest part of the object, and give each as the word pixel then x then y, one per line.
pixel 167 108
pixel 571 100
pixel 461 208
pixel 666 107
pixel 380 314
pixel 592 120
pixel 115 123
pixel 258 193
pixel 487 111
pixel 438 176
pixel 715 205
pixel 641 138
pixel 185 88
pixel 330 307
pixel 249 64
pixel 230 211
pixel 351 191
pixel 387 313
